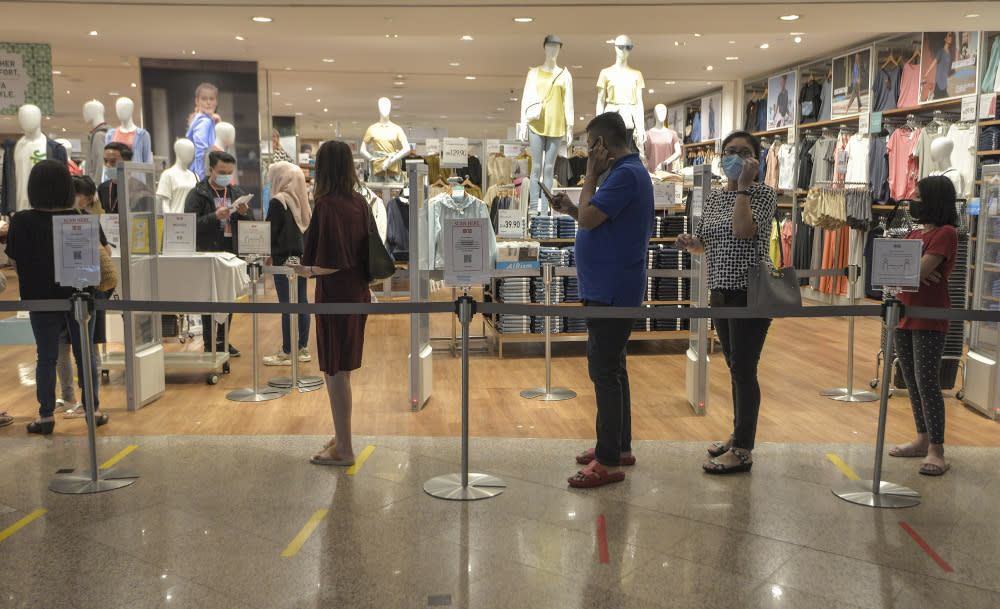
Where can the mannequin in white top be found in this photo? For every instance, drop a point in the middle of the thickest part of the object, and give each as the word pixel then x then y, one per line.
pixel 941 149
pixel 547 118
pixel 225 137
pixel 30 149
pixel 176 181
pixel 385 143
pixel 93 114
pixel 129 133
pixel 663 145
pixel 619 89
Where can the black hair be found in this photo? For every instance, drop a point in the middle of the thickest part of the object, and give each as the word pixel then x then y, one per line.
pixel 217 156
pixel 123 149
pixel 937 195
pixel 84 185
pixel 610 126
pixel 50 186
pixel 751 139
pixel 335 174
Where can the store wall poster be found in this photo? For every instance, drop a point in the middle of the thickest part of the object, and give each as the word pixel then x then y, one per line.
pixel 675 118
pixel 781 100
pixel 948 65
pixel 25 77
pixel 711 117
pixel 851 84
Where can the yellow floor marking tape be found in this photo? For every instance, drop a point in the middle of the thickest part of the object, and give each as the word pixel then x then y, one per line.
pixel 300 539
pixel 843 467
pixel 367 452
pixel 20 524
pixel 114 460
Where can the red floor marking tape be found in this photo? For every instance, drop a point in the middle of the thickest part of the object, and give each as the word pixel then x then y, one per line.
pixel 923 544
pixel 602 540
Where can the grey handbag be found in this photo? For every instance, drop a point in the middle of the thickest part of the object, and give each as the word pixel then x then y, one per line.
pixel 769 288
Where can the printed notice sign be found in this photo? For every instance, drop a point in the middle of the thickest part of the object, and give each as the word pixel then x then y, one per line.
pixel 112 230
pixel 254 238
pixel 455 152
pixel 896 263
pixel 178 233
pixel 466 253
pixel 433 145
pixel 663 194
pixel 75 241
pixel 493 147
pixel 25 77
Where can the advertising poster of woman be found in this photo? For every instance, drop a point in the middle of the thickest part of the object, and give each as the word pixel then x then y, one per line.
pixel 948 65
pixel 851 84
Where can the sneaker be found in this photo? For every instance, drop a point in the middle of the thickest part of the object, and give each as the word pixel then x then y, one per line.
pixel 278 359
pixel 76 412
pixel 304 355
pixel 234 352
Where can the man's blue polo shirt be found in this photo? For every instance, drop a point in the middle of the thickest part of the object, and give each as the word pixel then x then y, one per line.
pixel 611 259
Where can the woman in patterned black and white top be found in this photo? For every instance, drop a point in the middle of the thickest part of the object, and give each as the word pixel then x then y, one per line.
pixel 734 234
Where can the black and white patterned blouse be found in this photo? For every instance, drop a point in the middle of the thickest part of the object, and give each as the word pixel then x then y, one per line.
pixel 729 259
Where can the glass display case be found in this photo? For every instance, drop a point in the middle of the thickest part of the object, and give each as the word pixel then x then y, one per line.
pixel 983 382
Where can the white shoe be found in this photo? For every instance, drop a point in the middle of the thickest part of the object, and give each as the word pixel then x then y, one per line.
pixel 304 355
pixel 278 359
pixel 76 412
pixel 62 405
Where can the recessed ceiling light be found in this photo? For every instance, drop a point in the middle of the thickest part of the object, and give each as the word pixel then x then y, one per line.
pixel 113 93
pixel 490 117
pixel 972 15
pixel 454 64
pixel 732 58
pixel 392 35
pixel 732 42
pixel 670 82
pixel 328 60
pixel 708 83
pixel 318 100
pixel 275 93
pixel 67 91
pixel 289 104
pixel 400 76
pixel 288 69
pixel 576 67
pixel 399 83
pixel 467 37
pixel 194 52
pixel 581 118
pixel 326 109
pixel 524 19
pixel 798 39
pixel 709 68
pixel 501 109
pixel 513 99
pixel 64 129
pixel 56 72
pixel 796 33
pixel 470 78
pixel 765 46
pixel 298 114
pixel 677 43
pixel 309 88
pixel 262 19
pixel 238 37
pixel 93 32
pixel 444 116
pixel 134 85
pixel 789 17
pixel 397 97
pixel 697 35
pixel 612 41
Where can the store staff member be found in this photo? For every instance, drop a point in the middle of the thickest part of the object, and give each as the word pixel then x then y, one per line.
pixel 213 202
pixel 107 192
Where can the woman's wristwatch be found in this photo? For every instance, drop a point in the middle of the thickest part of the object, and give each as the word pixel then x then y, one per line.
pixel 742 192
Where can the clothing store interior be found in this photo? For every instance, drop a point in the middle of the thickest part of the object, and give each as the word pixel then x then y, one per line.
pixel 183 427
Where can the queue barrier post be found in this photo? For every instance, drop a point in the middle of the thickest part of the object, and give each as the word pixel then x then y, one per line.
pixel 96 480
pixel 303 384
pixel 548 393
pixel 848 394
pixel 465 486
pixel 255 393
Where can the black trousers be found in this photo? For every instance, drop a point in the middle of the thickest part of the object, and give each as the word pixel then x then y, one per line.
pixel 919 353
pixel 742 341
pixel 606 343
pixel 207 321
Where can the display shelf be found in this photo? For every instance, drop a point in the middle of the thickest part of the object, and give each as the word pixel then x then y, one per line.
pixel 499 338
pixel 988 153
pixel 989 123
pixel 990 298
pixel 829 123
pixel 777 131
pixel 701 144
pixel 938 105
pixel 885 207
pixel 990 266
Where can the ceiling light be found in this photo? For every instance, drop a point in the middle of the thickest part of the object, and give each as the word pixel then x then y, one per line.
pixel 789 17
pixel 709 68
pixel 576 67
pixel 677 43
pixel 513 99
pixel 309 88
pixel 67 91
pixel 113 93
pixel 401 76
pixel 93 32
pixel 765 46
pixel 241 38
pixel 467 37
pixel 470 78
pixel 326 109
pixel 288 69
pixel 612 41
pixel 454 64
pixel 732 42
pixel 276 93
pixel 796 33
pixel 397 97
pixel 650 91
pixel 524 19
pixel 261 19
pixel 581 118
pixel 328 60
pixel 444 116
pixel 697 35
pixel 392 35
pixel 708 83
pixel 134 85
pixel 194 52
pixel 318 100
pixel 798 39
pixel 670 82
pixel 972 15
pixel 501 109
pixel 289 104
pixel 56 72
pixel 399 83
pixel 732 58
pixel 298 114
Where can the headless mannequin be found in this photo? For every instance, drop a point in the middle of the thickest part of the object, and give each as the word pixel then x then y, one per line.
pixel 661 133
pixel 178 180
pixel 626 103
pixel 124 108
pixel 30 149
pixel 225 137
pixel 941 150
pixel 129 133
pixel 93 114
pixel 388 143
pixel 74 169
pixel 544 147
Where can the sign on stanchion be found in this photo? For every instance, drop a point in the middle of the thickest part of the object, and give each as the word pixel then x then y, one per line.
pixel 304 384
pixel 548 393
pixel 77 264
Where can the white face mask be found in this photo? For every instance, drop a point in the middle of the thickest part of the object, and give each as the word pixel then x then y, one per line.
pixel 223 180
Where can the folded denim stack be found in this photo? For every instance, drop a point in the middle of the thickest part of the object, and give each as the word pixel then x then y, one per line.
pixel 996 289
pixel 543 227
pixel 516 290
pixel 668 288
pixel 575 325
pixel 566 227
pixel 538 325
pixel 553 256
pixel 671 226
pixel 670 258
pixel 571 250
pixel 572 289
pixel 995 228
pixel 557 290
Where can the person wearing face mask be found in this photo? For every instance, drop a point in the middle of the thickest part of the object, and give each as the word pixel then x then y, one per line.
pixel 107 192
pixel 734 235
pixel 213 201
pixel 920 342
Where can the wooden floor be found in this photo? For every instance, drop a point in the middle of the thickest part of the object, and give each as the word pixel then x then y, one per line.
pixel 801 358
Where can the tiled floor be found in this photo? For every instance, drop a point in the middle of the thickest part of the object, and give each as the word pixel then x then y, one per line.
pixel 207 522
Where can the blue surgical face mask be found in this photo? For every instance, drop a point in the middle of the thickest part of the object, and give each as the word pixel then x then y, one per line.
pixel 732 166
pixel 223 180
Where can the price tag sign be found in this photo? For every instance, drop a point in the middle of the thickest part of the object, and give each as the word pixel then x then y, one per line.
pixel 969 108
pixel 875 125
pixel 493 147
pixel 864 123
pixel 466 254
pixel 140 235
pixel 663 194
pixel 75 240
pixel 455 152
pixel 792 136
pixel 696 201
pixel 896 263
pixel 112 230
pixel 510 224
pixel 511 150
pixel 254 238
pixel 433 145
pixel 986 110
pixel 178 233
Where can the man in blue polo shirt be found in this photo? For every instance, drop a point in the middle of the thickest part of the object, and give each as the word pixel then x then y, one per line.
pixel 615 226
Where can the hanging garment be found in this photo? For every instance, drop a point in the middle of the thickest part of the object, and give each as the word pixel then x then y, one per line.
pixel 826 106
pixel 773 166
pixel 878 169
pixel 786 171
pixel 840 157
pixel 909 84
pixel 397 238
pixel 857 159
pixel 774 244
pixel 139 141
pixel 903 165
pixel 786 242
pixel 474 171
pixel 822 160
pixel 764 150
pixel 444 207
pixel 991 75
pixel 750 116
pixel 885 89
pixel 810 101
pixel 963 156
pixel 805 162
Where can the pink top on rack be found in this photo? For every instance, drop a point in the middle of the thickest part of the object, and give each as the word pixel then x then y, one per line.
pixel 904 168
pixel 909 84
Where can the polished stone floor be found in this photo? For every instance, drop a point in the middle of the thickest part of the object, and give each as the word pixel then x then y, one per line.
pixel 208 521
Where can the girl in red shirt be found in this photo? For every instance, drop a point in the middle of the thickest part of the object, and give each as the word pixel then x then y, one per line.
pixel 920 342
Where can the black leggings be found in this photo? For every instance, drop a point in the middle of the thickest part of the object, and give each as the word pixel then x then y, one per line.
pixel 919 353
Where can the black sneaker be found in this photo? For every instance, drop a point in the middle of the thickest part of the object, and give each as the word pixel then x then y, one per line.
pixel 234 352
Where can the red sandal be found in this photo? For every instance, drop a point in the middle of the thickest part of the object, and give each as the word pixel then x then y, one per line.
pixel 588 455
pixel 594 474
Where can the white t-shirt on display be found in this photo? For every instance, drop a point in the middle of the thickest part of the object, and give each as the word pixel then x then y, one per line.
pixel 857 158
pixel 173 189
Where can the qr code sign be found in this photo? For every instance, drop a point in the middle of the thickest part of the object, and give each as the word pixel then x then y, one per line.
pixel 77 255
pixel 468 258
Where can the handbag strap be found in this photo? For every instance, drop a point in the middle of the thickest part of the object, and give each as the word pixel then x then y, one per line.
pixel 548 93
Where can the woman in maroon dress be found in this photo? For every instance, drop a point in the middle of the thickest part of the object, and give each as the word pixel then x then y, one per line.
pixel 336 253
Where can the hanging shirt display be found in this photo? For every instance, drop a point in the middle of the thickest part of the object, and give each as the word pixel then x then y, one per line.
pixel 963 156
pixel 811 101
pixel 822 160
pixel 857 159
pixel 991 75
pixel 464 207
pixel 773 166
pixel 903 165
pixel 660 145
pixel 826 107
pixel 923 149
pixel 385 140
pixel 786 171
pixel 909 84
pixel 840 158
pixel 878 169
pixel 885 89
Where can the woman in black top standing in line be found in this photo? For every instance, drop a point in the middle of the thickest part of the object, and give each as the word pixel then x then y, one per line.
pixel 29 245
pixel 734 235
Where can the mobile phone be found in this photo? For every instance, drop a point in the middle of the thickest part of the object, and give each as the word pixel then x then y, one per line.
pixel 548 193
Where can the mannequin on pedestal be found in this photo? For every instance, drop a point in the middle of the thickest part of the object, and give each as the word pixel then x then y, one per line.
pixel 388 144
pixel 129 134
pixel 546 118
pixel 941 150
pixel 178 180
pixel 663 145
pixel 201 125
pixel 93 166
pixel 619 89
pixel 225 137
pixel 20 157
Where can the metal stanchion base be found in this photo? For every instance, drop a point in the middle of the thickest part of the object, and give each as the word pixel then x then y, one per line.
pixel 81 483
pixel 306 383
pixel 449 486
pixel 890 495
pixel 857 396
pixel 556 394
pixel 832 393
pixel 249 395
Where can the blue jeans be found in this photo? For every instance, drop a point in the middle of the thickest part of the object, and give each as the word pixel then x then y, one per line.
pixel 607 340
pixel 544 168
pixel 281 287
pixel 47 326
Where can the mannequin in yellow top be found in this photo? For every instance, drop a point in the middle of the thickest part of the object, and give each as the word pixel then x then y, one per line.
pixel 619 89
pixel 388 144
pixel 546 118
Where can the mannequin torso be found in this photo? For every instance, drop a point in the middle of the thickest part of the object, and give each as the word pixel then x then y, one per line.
pixel 30 149
pixel 663 145
pixel 619 89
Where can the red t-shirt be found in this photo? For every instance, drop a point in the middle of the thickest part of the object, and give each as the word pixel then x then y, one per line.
pixel 942 241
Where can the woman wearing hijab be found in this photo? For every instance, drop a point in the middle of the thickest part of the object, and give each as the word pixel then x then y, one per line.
pixel 289 214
